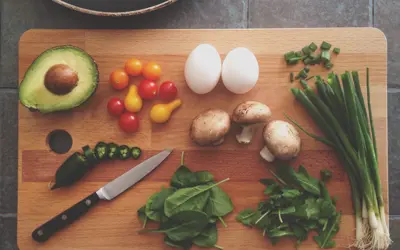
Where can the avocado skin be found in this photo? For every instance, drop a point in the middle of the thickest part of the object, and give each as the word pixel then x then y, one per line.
pixel 95 73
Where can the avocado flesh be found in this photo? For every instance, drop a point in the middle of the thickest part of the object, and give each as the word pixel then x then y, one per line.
pixel 34 95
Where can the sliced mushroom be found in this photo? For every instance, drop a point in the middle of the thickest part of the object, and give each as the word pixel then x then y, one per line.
pixel 210 127
pixel 282 141
pixel 250 115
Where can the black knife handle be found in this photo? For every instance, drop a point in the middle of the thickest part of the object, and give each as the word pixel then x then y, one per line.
pixel 45 231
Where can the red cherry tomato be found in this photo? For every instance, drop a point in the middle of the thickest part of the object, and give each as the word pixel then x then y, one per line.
pixel 115 106
pixel 168 91
pixel 129 122
pixel 147 89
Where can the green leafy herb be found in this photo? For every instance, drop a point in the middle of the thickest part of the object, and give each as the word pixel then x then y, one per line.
pixel 324 237
pixel 246 216
pixel 297 204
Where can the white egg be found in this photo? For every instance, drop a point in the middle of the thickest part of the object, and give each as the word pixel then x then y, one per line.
pixel 203 69
pixel 240 70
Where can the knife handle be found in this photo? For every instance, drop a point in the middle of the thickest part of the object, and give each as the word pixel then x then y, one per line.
pixel 45 231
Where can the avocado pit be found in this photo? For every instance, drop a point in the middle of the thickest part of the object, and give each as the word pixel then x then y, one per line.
pixel 60 79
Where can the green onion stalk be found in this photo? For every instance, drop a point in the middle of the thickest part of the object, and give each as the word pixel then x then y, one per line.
pixel 340 112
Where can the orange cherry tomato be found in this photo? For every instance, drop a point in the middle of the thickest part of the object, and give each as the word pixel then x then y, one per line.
pixel 133 67
pixel 152 71
pixel 119 79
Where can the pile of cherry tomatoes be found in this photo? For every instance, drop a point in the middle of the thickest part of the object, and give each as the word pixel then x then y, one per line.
pixel 146 90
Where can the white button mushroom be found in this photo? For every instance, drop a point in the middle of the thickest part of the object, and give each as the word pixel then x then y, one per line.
pixel 210 127
pixel 203 69
pixel 249 115
pixel 240 70
pixel 282 141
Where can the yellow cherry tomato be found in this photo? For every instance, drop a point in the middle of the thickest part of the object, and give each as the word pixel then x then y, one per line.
pixel 152 71
pixel 160 113
pixel 133 102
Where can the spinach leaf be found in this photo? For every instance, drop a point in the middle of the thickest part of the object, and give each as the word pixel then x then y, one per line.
pixel 155 204
pixel 246 216
pixel 184 178
pixel 182 226
pixel 212 219
pixel 179 178
pixel 142 215
pixel 186 244
pixel 219 204
pixel 194 198
pixel 324 237
pixel 208 237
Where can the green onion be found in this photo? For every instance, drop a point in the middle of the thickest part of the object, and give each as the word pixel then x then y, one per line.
pixel 328 65
pixel 298 54
pixel 306 50
pixel 313 47
pixel 336 51
pixel 340 112
pixel 289 55
pixel 325 46
pixel 291 77
pixel 293 60
pixel 325 56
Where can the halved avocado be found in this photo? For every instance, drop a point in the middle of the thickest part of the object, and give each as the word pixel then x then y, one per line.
pixel 61 78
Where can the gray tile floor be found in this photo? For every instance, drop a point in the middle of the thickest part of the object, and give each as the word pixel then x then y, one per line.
pixel 19 15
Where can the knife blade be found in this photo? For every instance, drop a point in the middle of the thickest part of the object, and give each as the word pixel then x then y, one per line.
pixel 107 192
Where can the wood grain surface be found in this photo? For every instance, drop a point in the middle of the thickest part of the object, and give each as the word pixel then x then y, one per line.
pixel 113 225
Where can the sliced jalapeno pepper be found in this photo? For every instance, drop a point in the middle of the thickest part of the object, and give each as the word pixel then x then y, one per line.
pixel 90 155
pixel 124 152
pixel 136 152
pixel 112 151
pixel 101 151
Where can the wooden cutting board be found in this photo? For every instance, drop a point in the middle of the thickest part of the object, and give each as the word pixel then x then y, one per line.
pixel 113 225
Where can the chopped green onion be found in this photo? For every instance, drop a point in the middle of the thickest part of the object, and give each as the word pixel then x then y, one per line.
pixel 301 75
pixel 325 56
pixel 336 51
pixel 307 69
pixel 325 46
pixel 307 61
pixel 293 60
pixel 313 47
pixel 289 55
pixel 306 50
pixel 328 65
pixel 298 54
pixel 291 76
pixel 311 77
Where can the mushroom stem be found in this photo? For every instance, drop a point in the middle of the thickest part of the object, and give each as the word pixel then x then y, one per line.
pixel 267 155
pixel 246 135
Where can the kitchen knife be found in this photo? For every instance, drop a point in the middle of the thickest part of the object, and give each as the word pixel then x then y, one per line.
pixel 107 192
